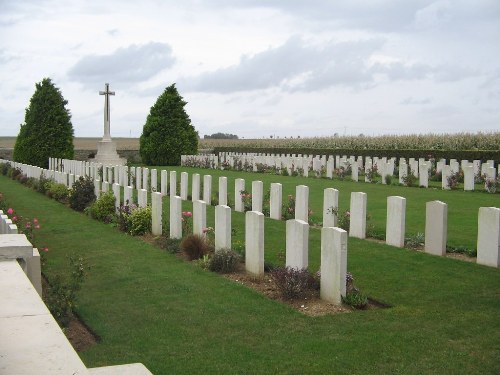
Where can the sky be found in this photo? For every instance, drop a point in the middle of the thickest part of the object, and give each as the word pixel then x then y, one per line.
pixel 259 68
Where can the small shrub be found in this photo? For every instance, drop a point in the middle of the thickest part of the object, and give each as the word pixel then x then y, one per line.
pixel 388 179
pixel 140 221
pixel 4 168
pixel 410 179
pixel 103 209
pixel 61 295
pixel 194 246
pixel 58 192
pixel 462 250
pixel 453 180
pixel 223 261
pixel 171 245
pixel 23 179
pixel 491 184
pixel 415 241
pixel 246 197
pixel 292 282
pixel 82 194
pixel 356 299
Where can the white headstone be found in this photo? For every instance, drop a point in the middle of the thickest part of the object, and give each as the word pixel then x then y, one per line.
pixel 184 185
pixel 357 226
pixel 195 187
pixel 173 183
pixel 276 200
pixel 254 242
pixel 436 227
pixel 239 186
pixel 222 227
pixel 396 216
pixel 156 214
pixel 333 264
pixel 488 237
pixel 207 189
pixel 223 191
pixel 297 244
pixel 163 181
pixel 330 207
pixel 175 217
pixel 199 217
pixel 257 195
pixel 302 203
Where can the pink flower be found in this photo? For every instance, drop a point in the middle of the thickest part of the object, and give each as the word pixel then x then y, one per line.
pixel 37 226
pixel 205 230
pixel 10 211
pixel 35 221
pixel 45 249
pixel 14 219
pixel 188 213
pixel 28 225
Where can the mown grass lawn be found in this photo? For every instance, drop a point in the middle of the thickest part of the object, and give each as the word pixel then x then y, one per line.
pixel 151 307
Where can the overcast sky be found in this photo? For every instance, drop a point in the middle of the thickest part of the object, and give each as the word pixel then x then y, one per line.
pixel 258 68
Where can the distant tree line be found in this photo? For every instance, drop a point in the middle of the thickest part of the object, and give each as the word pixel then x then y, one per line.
pixel 220 136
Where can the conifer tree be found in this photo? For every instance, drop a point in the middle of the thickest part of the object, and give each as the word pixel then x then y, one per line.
pixel 168 132
pixel 47 130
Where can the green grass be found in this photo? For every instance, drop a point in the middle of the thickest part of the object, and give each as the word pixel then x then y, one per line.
pixel 149 306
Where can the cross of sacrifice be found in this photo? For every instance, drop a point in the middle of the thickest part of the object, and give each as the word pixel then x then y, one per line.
pixel 106 93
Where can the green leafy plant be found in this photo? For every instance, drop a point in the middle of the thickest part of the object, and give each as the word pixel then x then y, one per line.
pixel 415 241
pixel 410 179
pixel 223 261
pixel 356 299
pixel 462 250
pixel 61 296
pixel 140 221
pixel 58 192
pixel 171 245
pixel 103 209
pixel 82 193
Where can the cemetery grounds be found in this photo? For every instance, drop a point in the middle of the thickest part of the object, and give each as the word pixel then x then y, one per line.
pixel 150 306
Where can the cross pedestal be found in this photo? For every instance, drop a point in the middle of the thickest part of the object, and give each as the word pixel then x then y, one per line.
pixel 106 148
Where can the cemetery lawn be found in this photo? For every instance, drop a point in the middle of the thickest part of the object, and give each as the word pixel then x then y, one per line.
pixel 149 306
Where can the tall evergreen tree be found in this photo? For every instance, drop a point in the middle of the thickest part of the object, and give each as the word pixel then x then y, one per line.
pixel 47 130
pixel 168 133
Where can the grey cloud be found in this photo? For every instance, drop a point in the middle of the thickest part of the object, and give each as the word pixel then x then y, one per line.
pixel 399 71
pixel 292 66
pixel 134 63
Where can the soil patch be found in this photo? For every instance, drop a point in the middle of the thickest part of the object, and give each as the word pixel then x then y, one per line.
pixel 310 304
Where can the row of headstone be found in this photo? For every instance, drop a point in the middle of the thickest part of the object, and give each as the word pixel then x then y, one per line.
pixel 420 168
pixel 395 230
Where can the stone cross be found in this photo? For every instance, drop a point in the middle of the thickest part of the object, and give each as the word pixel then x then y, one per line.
pixel 106 93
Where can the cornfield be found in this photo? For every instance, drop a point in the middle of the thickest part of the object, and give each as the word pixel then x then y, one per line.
pixel 460 141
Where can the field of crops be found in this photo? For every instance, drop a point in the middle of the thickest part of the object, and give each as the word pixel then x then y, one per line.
pixel 460 141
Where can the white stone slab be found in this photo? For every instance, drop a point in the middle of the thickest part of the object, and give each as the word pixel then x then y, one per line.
pixel 297 244
pixel 357 226
pixel 156 213
pixel 436 227
pixel 330 207
pixel 333 264
pixel 223 191
pixel 14 246
pixel 254 242
pixel 488 236
pixel 395 223
pixel 207 189
pixel 239 186
pixel 275 202
pixel 257 195
pixel 302 203
pixel 222 227
pixel 199 217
